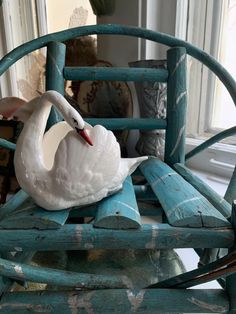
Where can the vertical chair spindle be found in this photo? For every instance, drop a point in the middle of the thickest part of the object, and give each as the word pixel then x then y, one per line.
pixel 56 52
pixel 176 105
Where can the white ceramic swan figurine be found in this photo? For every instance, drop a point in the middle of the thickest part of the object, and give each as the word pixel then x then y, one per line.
pixel 60 168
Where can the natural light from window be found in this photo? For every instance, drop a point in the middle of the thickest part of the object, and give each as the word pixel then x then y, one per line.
pixel 70 13
pixel 224 112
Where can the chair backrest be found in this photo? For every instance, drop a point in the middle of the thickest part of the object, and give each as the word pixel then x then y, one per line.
pixel 210 232
pixel 174 76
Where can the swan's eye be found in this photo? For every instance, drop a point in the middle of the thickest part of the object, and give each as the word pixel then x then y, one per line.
pixel 75 121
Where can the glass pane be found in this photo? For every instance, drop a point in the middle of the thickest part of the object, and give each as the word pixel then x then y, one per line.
pixel 224 112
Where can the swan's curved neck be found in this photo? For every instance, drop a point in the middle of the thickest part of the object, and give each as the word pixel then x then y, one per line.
pixel 29 149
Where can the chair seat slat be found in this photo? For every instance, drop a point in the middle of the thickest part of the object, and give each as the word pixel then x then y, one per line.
pixel 184 206
pixel 120 210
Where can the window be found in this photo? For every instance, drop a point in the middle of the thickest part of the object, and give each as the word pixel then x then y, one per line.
pixel 210 25
pixel 224 113
pixel 24 20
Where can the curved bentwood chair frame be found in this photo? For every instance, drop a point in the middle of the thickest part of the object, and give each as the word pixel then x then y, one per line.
pixel 195 215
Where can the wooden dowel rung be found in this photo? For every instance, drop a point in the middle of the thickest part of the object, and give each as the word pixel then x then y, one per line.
pixel 128 123
pixel 115 74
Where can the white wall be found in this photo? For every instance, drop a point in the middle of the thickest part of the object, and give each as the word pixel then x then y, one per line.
pixel 119 50
pixel 157 15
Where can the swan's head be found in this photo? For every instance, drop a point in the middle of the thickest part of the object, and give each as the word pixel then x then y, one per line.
pixel 71 116
pixel 77 123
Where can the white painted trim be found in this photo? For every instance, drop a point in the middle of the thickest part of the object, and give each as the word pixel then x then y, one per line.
pixel 41 9
pixel 161 17
pixel 221 154
pixel 18 25
pixel 181 23
pixel 8 79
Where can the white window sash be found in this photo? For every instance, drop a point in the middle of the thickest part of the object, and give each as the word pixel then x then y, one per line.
pixel 19 24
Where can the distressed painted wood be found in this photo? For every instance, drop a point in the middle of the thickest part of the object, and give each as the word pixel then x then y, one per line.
pixel 114 29
pixel 117 301
pixel 7 144
pixel 13 203
pixel 183 205
pixel 128 123
pixel 230 194
pixel 20 271
pixel 32 216
pixel 115 74
pixel 120 210
pixel 214 198
pixel 231 280
pixel 56 52
pixel 214 139
pixel 85 236
pixel 6 283
pixel 176 106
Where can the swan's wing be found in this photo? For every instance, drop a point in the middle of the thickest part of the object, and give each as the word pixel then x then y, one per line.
pixel 80 169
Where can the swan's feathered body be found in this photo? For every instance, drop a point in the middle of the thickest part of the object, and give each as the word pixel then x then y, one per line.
pixel 59 169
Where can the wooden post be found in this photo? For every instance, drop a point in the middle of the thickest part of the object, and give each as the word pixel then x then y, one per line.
pixel 231 280
pixel 54 75
pixel 176 106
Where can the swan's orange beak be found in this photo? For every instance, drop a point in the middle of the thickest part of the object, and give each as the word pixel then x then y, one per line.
pixel 85 136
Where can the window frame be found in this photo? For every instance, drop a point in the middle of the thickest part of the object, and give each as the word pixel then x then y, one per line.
pixel 206 17
pixel 27 20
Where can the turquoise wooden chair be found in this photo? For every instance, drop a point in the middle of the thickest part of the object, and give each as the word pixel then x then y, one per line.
pixel 194 216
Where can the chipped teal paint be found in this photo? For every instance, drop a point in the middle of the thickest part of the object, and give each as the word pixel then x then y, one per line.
pixel 54 75
pixel 214 198
pixel 176 106
pixel 13 203
pixel 32 216
pixel 6 283
pixel 150 236
pixel 20 271
pixel 183 205
pixel 128 123
pixel 214 139
pixel 230 194
pixel 116 301
pixel 7 144
pixel 120 210
pixel 85 236
pixel 115 74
